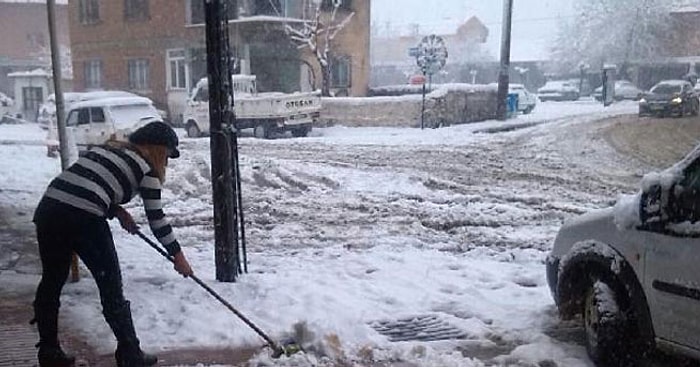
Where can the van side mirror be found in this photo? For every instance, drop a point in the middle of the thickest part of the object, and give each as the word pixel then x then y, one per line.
pixel 650 208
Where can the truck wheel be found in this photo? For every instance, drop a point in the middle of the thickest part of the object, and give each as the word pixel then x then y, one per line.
pixel 301 132
pixel 262 132
pixel 193 130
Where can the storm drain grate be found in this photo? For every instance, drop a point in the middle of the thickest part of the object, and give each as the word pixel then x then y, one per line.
pixel 418 328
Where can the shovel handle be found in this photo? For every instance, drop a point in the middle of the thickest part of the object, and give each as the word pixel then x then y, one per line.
pixel 275 347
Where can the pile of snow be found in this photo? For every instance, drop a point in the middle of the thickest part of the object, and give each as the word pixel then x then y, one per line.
pixel 440 89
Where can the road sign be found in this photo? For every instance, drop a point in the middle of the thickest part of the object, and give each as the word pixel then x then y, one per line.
pixel 431 55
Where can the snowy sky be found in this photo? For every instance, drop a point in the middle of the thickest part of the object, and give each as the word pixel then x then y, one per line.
pixel 534 21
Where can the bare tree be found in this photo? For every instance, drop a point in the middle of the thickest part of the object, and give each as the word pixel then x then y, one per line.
pixel 615 31
pixel 317 35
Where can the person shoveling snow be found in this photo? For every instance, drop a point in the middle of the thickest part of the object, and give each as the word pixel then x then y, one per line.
pixel 72 216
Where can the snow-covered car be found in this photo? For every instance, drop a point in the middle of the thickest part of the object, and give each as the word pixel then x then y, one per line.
pixel 47 110
pixel 558 90
pixel 670 98
pixel 631 270
pixel 526 100
pixel 624 89
pixel 96 121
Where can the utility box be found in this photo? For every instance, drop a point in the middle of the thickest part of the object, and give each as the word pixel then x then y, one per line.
pixel 609 71
pixel 512 105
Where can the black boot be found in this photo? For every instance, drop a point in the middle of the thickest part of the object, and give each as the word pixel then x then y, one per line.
pixel 53 356
pixel 128 353
pixel 127 356
pixel 50 353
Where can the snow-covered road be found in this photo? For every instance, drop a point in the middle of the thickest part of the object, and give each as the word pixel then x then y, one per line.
pixel 432 234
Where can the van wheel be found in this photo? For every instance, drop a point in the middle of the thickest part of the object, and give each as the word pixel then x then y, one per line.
pixel 193 130
pixel 262 132
pixel 301 132
pixel 606 326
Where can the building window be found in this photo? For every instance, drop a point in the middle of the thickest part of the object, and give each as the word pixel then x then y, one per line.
pixel 138 74
pixel 327 5
pixel 267 7
pixel 93 74
pixel 136 9
pixel 340 72
pixel 177 69
pixel 89 11
pixel 196 10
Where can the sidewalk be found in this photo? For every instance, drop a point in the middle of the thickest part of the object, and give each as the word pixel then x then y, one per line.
pixel 18 280
pixel 17 337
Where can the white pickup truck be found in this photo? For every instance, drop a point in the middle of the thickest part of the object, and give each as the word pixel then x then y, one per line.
pixel 266 113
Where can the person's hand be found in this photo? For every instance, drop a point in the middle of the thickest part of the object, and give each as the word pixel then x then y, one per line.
pixel 126 221
pixel 181 265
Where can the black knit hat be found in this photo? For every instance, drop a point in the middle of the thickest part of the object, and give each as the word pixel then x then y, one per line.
pixel 157 133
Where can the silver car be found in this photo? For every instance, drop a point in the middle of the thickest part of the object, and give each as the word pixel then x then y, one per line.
pixel 558 90
pixel 632 270
pixel 624 89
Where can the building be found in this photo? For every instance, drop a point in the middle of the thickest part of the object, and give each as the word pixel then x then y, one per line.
pixel 24 46
pixel 157 48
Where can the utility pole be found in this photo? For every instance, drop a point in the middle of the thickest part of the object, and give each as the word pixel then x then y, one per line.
pixel 60 112
pixel 57 78
pixel 221 120
pixel 501 108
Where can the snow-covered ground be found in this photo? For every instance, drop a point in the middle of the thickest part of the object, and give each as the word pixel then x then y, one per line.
pixel 356 229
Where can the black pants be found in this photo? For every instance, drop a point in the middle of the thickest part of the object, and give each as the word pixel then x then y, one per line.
pixel 62 229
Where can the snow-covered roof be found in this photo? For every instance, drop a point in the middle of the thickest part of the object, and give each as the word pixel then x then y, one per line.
pixel 113 101
pixel 258 19
pixel 674 82
pixel 687 9
pixel 35 72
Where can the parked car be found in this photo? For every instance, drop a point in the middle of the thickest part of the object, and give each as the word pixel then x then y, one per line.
pixel 95 121
pixel 558 90
pixel 670 97
pixel 526 100
pixel 624 89
pixel 631 270
pixel 47 110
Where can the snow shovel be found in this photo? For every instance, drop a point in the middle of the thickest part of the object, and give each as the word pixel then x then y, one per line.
pixel 278 350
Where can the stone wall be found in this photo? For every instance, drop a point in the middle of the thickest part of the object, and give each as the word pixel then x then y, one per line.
pixel 450 105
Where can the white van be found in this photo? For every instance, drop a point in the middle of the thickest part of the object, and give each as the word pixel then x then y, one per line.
pixel 94 122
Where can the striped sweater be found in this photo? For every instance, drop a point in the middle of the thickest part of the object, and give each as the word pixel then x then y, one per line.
pixel 103 177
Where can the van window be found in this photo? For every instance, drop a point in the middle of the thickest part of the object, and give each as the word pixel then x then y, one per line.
pixel 202 95
pixel 72 118
pixel 97 114
pixel 83 116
